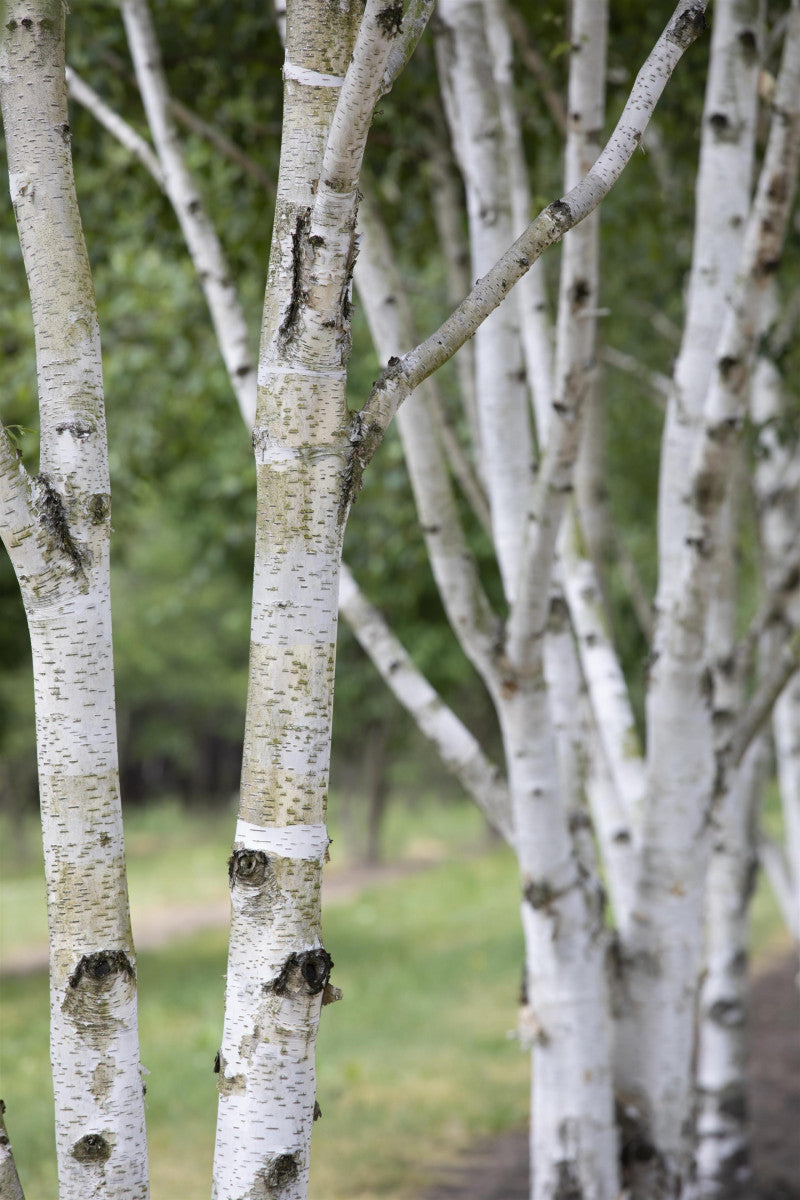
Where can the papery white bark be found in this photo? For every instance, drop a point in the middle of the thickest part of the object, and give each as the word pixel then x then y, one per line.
pixel 722 1166
pixel 56 528
pixel 722 202
pixel 306 447
pixel 473 110
pixel 663 953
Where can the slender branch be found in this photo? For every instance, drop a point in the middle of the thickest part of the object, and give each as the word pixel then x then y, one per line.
pixel 119 128
pixel 535 62
pixel 198 231
pixel 460 465
pixel 415 20
pixel 344 152
pixel 456 746
pixel 659 385
pixel 403 375
pixel 225 145
pixel 762 702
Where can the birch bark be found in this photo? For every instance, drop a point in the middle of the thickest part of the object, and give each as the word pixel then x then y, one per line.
pixel 722 202
pixel 777 491
pixel 306 446
pixel 56 528
pixel 663 952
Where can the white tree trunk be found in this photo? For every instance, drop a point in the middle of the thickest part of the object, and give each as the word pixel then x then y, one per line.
pixel 307 446
pixel 56 528
pixel 722 202
pixel 662 957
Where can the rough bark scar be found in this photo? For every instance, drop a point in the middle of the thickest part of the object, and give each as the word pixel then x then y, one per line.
pixel 354 466
pixel 281 1172
pixel 291 318
pixel 249 867
pixel 561 215
pixel 390 19
pixel 102 965
pixel 92 1148
pixel 688 26
pixel 313 967
pixel 53 518
pixel 345 313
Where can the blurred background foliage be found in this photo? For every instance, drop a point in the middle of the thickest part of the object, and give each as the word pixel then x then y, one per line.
pixel 182 478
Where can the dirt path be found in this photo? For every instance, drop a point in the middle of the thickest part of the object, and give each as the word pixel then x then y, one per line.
pixel 498 1170
pixel 156 927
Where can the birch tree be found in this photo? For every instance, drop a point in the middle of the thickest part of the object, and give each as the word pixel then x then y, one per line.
pixel 55 526
pixel 612 1065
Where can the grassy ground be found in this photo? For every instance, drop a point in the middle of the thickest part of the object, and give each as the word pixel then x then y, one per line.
pixel 414 1063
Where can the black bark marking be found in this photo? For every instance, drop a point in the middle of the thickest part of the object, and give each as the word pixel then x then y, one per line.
pixel 79 432
pixel 53 518
pixel 317 1110
pixel 251 868
pixel 99 508
pixel 560 214
pixel 100 966
pixel 93 1148
pixel 727 1013
pixel 542 894
pixel 310 971
pixel 390 20
pixel 345 313
pixel 688 26
pixel 355 462
pixel 579 293
pixel 568 1185
pixel 282 1171
pixel 217 1063
pixel 291 318
pixel 749 44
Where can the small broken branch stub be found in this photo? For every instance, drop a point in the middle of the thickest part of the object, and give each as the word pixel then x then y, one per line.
pixel 101 966
pixel 248 867
pixel 310 969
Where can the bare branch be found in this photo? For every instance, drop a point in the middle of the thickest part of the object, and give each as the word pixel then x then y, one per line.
pixel 547 228
pixel 761 703
pixel 535 62
pixel 201 237
pixel 456 746
pixel 415 20
pixel 660 386
pixel 125 134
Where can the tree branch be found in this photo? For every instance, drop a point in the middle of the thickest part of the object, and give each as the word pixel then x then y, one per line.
pixel 201 237
pixel 415 20
pixel 456 746
pixel 403 375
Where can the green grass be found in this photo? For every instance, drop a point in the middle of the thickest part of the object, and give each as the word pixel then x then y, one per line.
pixel 413 1062
pixel 157 836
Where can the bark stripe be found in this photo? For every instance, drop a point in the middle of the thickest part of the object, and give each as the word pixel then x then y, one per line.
pixel 291 841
